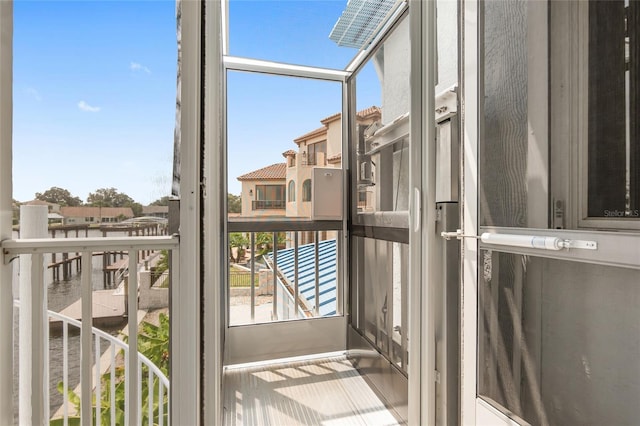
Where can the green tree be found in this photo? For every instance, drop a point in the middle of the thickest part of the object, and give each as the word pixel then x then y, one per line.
pixel 163 201
pixel 234 203
pixel 264 242
pixel 109 197
pixel 239 241
pixel 59 196
pixel 137 208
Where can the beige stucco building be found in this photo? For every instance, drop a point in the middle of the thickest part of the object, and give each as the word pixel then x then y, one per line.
pixel 284 189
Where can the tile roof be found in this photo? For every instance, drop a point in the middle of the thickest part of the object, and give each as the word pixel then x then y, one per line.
pixel 272 172
pixel 288 152
pixel 365 113
pixel 372 110
pixel 37 202
pixel 335 158
pixel 315 132
pixel 306 273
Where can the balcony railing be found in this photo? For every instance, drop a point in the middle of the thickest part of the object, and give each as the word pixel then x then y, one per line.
pixel 159 395
pixel 268 204
pixel 306 260
pixel 34 404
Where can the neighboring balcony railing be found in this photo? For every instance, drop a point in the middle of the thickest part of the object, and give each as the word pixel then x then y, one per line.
pixel 34 366
pixel 280 271
pixel 268 204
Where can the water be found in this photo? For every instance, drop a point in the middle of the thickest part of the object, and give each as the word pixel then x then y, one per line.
pixel 60 295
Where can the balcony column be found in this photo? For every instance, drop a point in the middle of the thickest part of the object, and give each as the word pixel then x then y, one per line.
pixel 34 327
pixel 6 211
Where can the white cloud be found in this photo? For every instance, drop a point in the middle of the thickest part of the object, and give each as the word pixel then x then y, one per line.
pixel 33 93
pixel 135 66
pixel 86 107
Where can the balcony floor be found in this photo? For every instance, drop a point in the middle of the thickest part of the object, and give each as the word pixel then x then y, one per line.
pixel 327 391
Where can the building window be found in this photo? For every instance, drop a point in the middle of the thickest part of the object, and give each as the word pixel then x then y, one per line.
pixel 306 190
pixel 291 191
pixel 292 161
pixel 269 197
pixel 313 159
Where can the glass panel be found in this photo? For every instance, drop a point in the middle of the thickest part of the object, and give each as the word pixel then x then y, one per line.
pixel 614 88
pixel 580 141
pixel 559 340
pixel 287 31
pixel 382 297
pixel 270 138
pixel 382 128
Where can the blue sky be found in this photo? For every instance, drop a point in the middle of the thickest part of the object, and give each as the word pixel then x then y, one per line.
pixel 94 90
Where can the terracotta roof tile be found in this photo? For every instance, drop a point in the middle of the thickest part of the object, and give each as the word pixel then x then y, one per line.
pixel 315 132
pixel 272 172
pixel 372 110
pixel 335 158
pixel 288 152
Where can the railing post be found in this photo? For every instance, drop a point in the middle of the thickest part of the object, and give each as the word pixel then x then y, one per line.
pixel 34 327
pixel 275 276
pixel 86 331
pixel 296 301
pixel 253 274
pixel 317 273
pixel 6 211
pixel 132 366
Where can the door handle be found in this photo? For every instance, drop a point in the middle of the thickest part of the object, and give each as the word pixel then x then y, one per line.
pixel 417 203
pixel 527 241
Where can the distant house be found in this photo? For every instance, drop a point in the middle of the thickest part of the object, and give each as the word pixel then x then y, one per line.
pixel 285 189
pixel 94 215
pixel 53 209
pixel 156 211
pixel 321 147
pixel 263 191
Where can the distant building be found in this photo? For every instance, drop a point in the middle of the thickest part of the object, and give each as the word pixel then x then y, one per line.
pixel 156 211
pixel 53 210
pixel 263 191
pixel 94 215
pixel 284 189
pixel 52 207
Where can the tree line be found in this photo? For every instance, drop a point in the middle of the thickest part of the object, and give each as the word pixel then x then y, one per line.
pixel 102 197
pixel 111 197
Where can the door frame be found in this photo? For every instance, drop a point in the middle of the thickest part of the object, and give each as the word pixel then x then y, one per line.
pixel 470 77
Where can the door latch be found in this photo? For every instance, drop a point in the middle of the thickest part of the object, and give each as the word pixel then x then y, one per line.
pixel 527 241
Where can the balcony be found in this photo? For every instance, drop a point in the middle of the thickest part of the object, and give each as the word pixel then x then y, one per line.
pixel 108 383
pixel 268 205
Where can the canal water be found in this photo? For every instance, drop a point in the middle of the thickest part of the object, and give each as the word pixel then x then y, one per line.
pixel 60 295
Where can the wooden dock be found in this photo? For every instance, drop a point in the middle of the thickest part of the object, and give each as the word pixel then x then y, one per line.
pixel 107 309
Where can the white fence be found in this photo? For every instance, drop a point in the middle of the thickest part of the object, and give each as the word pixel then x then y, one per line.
pixel 34 404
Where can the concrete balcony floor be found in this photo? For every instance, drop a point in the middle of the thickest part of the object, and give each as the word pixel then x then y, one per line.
pixel 327 391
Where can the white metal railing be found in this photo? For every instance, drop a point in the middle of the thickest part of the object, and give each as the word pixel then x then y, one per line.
pixel 35 409
pixel 301 285
pixel 116 346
